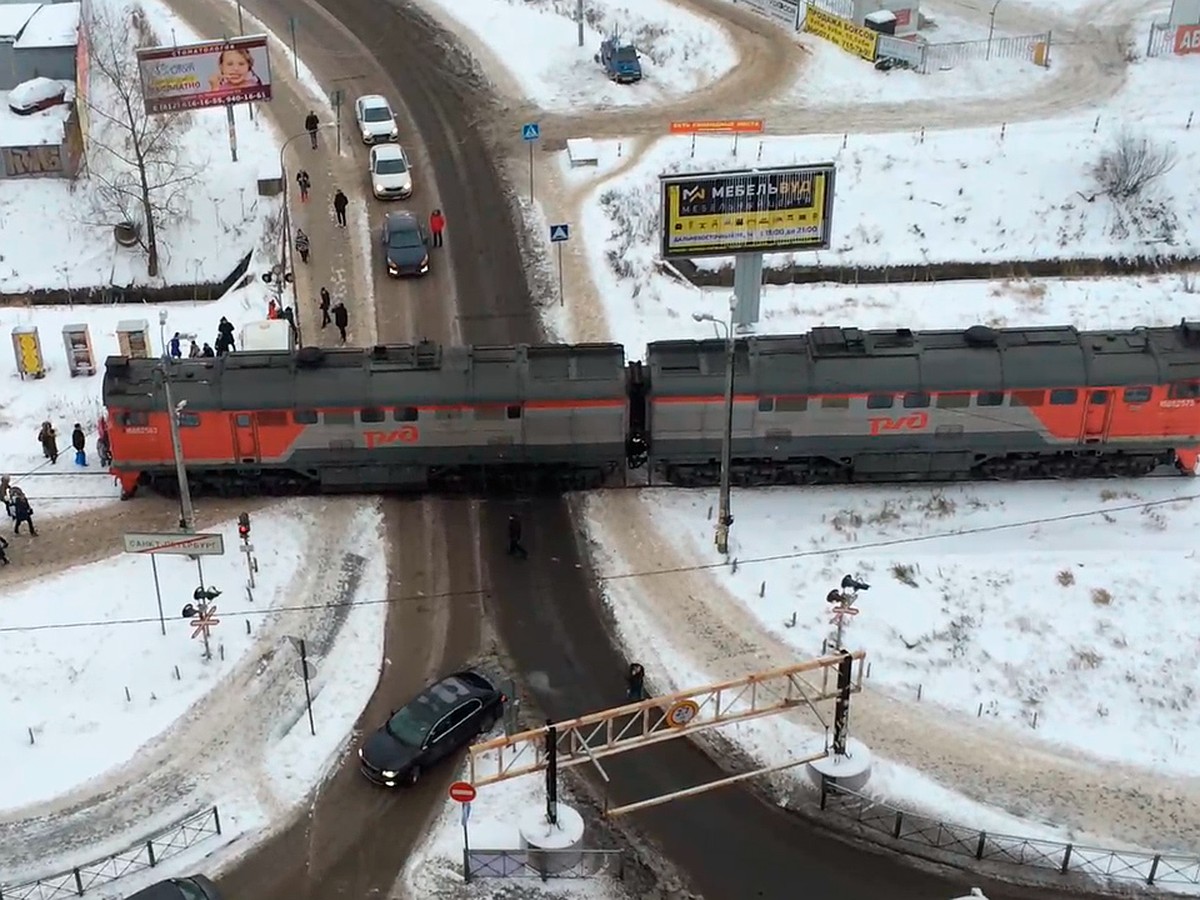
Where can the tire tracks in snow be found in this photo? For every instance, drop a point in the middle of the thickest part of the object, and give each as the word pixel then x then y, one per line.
pixel 228 730
pixel 702 621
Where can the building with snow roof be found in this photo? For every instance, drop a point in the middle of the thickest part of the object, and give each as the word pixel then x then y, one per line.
pixel 37 39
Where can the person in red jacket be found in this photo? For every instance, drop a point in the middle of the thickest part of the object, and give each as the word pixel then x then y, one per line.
pixel 437 224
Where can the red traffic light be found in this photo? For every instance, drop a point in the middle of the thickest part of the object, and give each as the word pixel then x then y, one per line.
pixel 244 526
pixel 244 531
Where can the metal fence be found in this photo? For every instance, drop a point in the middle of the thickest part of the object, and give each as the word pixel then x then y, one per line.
pixel 1019 47
pixel 146 854
pixel 543 864
pixel 1005 849
pixel 1161 40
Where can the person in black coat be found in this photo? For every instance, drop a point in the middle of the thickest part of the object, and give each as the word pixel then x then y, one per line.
pixel 311 124
pixel 79 442
pixel 48 438
pixel 341 319
pixel 23 512
pixel 225 330
pixel 340 202
pixel 635 682
pixel 514 537
pixel 208 352
pixel 325 300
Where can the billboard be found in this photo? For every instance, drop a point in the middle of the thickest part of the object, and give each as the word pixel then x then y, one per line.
pixel 850 37
pixel 775 210
pixel 214 73
pixel 719 126
pixel 1187 39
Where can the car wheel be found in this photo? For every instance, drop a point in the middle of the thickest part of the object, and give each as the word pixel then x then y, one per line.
pixel 489 722
pixel 413 776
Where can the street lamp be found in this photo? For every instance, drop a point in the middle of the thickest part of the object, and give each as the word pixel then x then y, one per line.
pixel 286 259
pixel 724 518
pixel 991 28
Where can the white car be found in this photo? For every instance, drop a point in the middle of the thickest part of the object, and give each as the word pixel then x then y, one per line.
pixel 376 121
pixel 391 174
pixel 35 95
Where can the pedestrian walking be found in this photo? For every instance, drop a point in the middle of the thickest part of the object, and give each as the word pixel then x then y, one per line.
pixel 272 309
pixel 311 124
pixel 6 494
pixel 79 442
pixel 340 202
pixel 49 441
pixel 515 547
pixel 3 552
pixel 341 319
pixel 305 183
pixel 22 512
pixel 224 336
pixel 437 224
pixel 635 683
pixel 290 317
pixel 302 245
pixel 325 320
pixel 207 352
pixel 175 350
pixel 194 350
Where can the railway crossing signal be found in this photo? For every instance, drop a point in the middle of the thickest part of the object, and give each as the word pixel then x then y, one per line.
pixel 203 616
pixel 244 526
pixel 204 621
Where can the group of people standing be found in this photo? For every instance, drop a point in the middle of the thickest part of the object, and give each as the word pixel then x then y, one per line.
pixel 224 343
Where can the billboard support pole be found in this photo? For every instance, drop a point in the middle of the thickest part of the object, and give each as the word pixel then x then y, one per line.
pixel 232 131
pixel 295 58
pixel 747 289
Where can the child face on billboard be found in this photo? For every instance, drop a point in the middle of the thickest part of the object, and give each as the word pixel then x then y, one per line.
pixel 236 68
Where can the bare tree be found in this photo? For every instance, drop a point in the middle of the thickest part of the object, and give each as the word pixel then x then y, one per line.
pixel 137 161
pixel 1130 165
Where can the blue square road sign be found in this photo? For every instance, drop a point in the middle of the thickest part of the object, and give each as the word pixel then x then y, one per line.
pixel 560 233
pixel 531 131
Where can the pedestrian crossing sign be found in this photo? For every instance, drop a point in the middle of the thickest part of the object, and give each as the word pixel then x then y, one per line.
pixel 531 131
pixel 559 233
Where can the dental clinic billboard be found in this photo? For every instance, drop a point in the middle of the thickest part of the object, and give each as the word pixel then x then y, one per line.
pixel 214 73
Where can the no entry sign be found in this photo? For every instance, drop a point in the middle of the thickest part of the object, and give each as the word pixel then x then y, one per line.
pixel 462 792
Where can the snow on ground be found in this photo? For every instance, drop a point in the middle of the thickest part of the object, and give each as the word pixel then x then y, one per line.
pixel 435 869
pixel 36 129
pixel 222 217
pixel 84 655
pixel 65 400
pixel 680 51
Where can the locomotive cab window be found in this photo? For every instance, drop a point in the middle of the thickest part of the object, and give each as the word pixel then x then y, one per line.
pixel 1028 398
pixel 956 400
pixel 766 404
pixel 916 400
pixel 405 414
pixel 242 420
pixel 880 401
pixel 134 419
pixel 791 404
pixel 1098 398
pixel 370 414
pixel 513 411
pixel 1185 390
pixel 338 418
pixel 1064 397
pixel 990 398
pixel 1136 394
pixel 189 419
pixel 835 402
pixel 304 416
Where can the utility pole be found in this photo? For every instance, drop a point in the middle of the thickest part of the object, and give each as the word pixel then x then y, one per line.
pixel 187 515
pixel 724 516
pixel 579 19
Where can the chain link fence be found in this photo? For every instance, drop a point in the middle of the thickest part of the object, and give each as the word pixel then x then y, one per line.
pixel 1067 859
pixel 543 864
pixel 145 854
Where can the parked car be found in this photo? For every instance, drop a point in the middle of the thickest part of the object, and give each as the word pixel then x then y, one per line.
pixel 391 174
pixel 406 244
pixel 35 95
pixel 194 887
pixel 443 718
pixel 376 121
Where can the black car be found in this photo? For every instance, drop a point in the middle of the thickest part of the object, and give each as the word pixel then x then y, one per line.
pixel 194 887
pixel 444 717
pixel 406 245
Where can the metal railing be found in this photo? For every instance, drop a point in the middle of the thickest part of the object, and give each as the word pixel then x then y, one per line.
pixel 1161 40
pixel 1016 47
pixel 543 864
pixel 1005 849
pixel 145 854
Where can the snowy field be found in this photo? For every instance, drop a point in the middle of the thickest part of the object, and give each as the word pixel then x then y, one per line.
pixel 435 870
pixel 65 400
pixel 215 214
pixel 243 718
pixel 680 51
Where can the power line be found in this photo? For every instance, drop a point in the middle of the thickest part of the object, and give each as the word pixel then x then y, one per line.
pixel 647 573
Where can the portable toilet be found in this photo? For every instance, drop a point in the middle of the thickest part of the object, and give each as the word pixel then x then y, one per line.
pixel 269 334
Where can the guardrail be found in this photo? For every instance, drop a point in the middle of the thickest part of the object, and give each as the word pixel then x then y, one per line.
pixel 145 854
pixel 543 864
pixel 1006 849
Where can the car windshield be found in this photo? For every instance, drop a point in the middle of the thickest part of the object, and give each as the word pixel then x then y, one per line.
pixel 390 167
pixel 376 114
pixel 411 724
pixel 404 238
pixel 190 890
pixel 627 54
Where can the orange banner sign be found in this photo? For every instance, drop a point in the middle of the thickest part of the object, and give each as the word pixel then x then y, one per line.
pixel 719 126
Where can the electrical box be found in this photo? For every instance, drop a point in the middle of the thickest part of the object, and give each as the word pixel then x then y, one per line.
pixel 133 337
pixel 27 347
pixel 80 358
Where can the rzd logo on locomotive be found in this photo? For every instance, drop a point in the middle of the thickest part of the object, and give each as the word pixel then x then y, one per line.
pixel 884 424
pixel 409 434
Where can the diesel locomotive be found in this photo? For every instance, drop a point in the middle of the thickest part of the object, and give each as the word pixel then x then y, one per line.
pixel 833 405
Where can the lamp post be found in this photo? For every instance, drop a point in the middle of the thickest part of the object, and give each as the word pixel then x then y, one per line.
pixel 724 518
pixel 286 259
pixel 992 28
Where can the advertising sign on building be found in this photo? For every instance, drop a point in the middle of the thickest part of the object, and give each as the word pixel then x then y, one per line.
pixel 214 73
pixel 1187 39
pixel 850 37
pixel 773 210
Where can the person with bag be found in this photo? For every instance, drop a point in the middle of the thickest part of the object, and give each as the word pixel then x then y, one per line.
pixel 79 442
pixel 302 245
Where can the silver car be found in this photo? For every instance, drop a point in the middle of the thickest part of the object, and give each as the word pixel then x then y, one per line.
pixel 391 174
pixel 376 121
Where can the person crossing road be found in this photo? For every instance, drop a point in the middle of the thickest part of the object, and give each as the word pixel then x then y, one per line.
pixel 515 547
pixel 325 320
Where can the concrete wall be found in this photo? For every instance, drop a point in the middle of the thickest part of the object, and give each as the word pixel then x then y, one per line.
pixel 30 62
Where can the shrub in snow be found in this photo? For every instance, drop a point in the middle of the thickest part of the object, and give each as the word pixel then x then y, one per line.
pixel 1126 172
pixel 631 245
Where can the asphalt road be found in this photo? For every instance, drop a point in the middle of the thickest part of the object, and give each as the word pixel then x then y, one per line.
pixel 727 844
